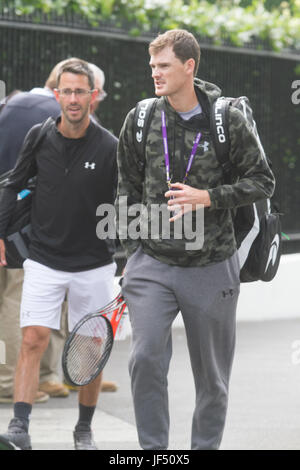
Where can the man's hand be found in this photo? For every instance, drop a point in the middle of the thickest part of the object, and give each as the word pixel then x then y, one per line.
pixel 184 199
pixel 2 253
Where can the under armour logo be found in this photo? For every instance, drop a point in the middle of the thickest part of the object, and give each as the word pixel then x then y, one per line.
pixel 204 145
pixel 226 293
pixel 90 166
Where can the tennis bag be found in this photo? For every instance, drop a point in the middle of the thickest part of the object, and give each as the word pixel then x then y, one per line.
pixel 257 227
pixel 19 229
pixel 18 233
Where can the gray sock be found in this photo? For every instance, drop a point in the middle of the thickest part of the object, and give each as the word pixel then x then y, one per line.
pixel 86 414
pixel 22 411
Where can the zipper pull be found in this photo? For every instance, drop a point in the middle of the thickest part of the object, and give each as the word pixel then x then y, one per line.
pixel 22 194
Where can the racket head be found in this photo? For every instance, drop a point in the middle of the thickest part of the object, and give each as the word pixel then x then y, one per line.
pixel 87 349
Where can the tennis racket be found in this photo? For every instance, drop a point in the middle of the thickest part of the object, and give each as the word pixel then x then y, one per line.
pixel 89 345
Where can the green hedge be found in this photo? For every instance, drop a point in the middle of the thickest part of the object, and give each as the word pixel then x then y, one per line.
pixel 262 23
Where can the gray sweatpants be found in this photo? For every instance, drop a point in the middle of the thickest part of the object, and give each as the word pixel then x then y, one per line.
pixel 207 297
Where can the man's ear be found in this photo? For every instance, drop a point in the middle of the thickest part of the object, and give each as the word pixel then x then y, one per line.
pixel 56 94
pixel 190 65
pixel 94 95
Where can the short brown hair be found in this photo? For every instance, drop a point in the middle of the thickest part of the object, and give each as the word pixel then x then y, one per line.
pixel 184 45
pixel 78 67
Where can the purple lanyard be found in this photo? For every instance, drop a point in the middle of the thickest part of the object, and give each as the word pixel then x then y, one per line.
pixel 166 150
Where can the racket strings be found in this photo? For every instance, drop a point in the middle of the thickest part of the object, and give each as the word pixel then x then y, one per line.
pixel 90 346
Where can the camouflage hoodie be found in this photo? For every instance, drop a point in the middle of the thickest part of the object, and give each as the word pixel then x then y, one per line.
pixel 253 181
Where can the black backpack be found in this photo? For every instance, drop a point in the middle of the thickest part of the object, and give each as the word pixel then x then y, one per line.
pixel 18 233
pixel 257 227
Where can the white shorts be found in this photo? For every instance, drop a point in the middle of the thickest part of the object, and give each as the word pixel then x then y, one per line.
pixel 44 291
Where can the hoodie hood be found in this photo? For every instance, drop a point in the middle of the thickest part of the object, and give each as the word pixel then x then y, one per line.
pixel 207 94
pixel 211 91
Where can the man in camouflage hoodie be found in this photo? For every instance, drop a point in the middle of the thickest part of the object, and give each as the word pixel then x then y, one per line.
pixel 164 274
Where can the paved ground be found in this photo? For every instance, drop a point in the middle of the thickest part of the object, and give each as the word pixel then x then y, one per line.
pixel 264 409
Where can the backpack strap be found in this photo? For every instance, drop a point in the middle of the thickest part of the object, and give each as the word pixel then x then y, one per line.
pixel 37 139
pixel 41 133
pixel 220 133
pixel 141 122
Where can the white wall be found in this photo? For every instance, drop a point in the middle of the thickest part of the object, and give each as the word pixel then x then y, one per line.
pixel 278 299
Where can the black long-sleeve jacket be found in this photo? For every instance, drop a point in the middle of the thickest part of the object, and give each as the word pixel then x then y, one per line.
pixel 74 176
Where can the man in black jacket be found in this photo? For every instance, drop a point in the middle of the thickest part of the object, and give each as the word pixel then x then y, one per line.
pixel 21 111
pixel 76 169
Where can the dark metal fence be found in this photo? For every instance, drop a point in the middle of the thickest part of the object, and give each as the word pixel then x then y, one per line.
pixel 29 51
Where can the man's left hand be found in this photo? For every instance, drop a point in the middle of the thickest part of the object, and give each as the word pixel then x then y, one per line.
pixel 184 198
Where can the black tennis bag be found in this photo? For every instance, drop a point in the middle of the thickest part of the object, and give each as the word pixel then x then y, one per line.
pixel 258 237
pixel 18 233
pixel 257 226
